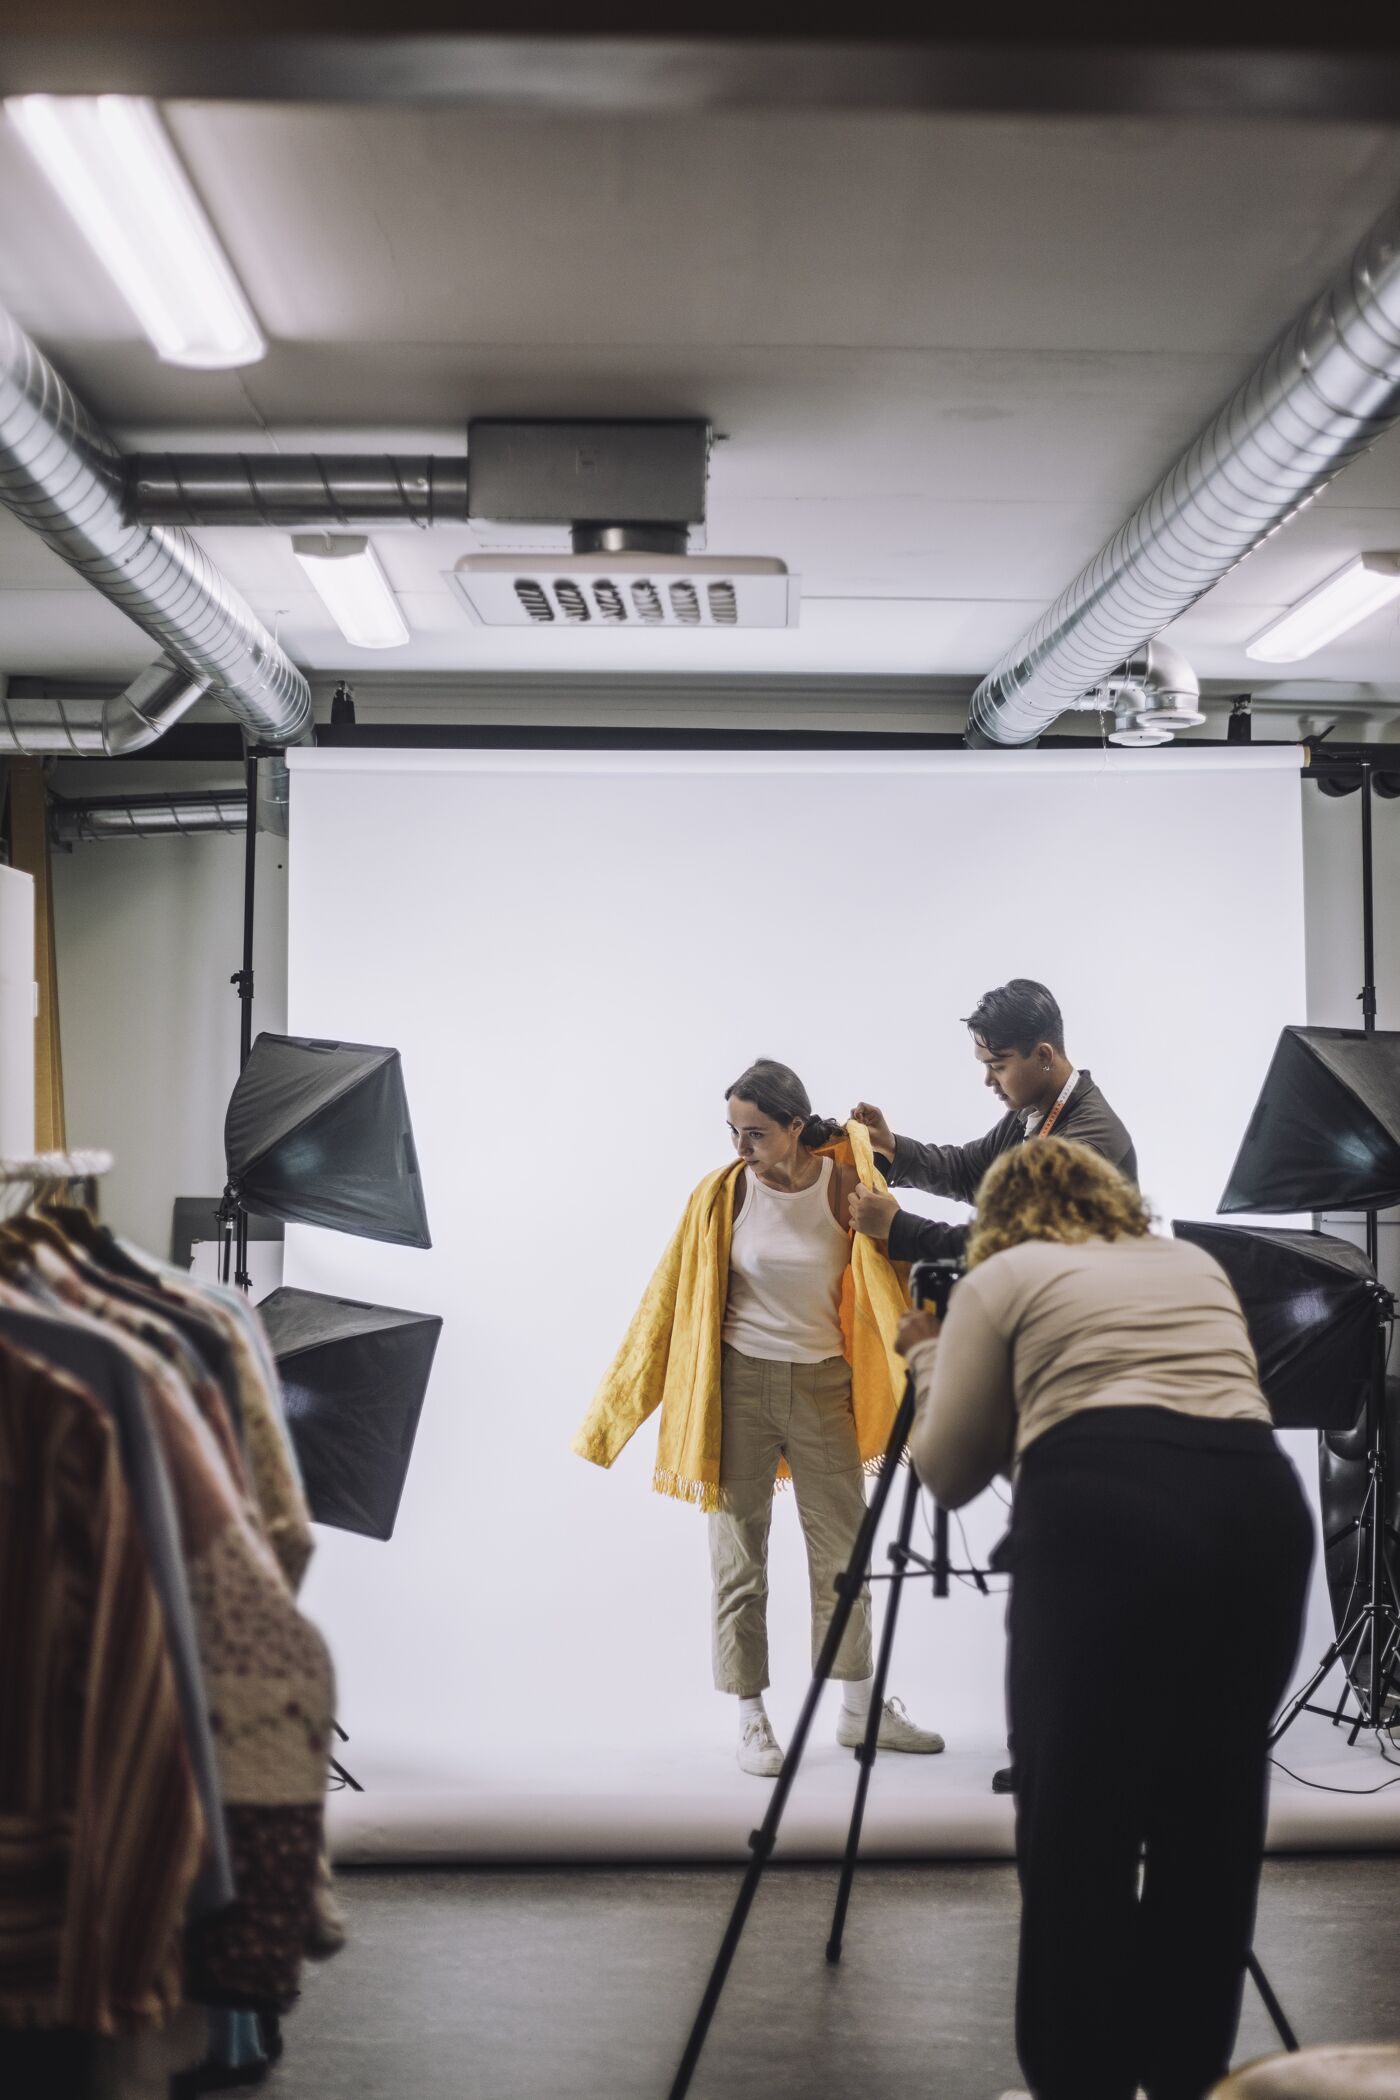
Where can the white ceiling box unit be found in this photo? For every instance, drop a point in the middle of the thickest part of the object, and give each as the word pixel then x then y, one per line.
pixel 642 591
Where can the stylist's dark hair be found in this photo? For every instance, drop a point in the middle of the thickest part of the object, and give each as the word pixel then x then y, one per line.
pixel 1017 1016
pixel 777 1091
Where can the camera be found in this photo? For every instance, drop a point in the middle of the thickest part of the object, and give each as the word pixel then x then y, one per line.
pixel 931 1282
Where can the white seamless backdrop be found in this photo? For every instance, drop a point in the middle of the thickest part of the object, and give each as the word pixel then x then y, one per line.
pixel 575 954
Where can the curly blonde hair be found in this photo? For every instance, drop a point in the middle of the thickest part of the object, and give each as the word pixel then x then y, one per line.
pixel 1053 1189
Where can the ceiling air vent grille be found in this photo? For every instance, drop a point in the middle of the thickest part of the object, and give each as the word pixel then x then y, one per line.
pixel 635 591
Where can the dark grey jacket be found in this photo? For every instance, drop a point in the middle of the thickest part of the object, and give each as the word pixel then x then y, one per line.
pixel 957 1170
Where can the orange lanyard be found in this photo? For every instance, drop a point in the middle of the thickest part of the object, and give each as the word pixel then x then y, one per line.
pixel 1058 1110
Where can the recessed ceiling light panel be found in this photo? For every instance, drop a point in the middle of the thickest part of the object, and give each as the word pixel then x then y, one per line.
pixel 1342 602
pixel 111 161
pixel 346 574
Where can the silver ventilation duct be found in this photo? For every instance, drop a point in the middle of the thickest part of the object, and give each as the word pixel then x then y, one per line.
pixel 145 817
pixel 111 728
pixel 293 490
pixel 1324 394
pixel 64 478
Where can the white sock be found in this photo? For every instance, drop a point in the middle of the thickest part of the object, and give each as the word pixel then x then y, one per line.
pixel 751 1709
pixel 855 1695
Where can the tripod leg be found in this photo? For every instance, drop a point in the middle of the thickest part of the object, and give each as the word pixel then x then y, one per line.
pixel 866 1753
pixel 1271 2005
pixel 761 1841
pixel 1300 1699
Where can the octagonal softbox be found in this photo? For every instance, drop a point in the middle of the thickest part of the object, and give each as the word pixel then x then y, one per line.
pixel 319 1133
pixel 1314 1311
pixel 1325 1133
pixel 353 1378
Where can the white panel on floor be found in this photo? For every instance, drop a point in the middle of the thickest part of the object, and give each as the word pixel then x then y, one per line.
pixel 576 953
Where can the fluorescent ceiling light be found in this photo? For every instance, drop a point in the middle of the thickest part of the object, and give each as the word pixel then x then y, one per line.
pixel 1347 598
pixel 345 571
pixel 111 161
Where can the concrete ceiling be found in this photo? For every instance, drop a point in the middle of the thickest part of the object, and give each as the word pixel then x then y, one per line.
pixel 946 356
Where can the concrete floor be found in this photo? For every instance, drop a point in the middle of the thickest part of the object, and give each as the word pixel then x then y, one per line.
pixel 581 1985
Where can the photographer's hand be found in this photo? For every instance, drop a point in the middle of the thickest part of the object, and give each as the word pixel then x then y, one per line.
pixel 881 1136
pixel 872 1214
pixel 922 1326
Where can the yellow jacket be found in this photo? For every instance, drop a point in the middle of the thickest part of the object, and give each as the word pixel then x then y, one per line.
pixel 670 1357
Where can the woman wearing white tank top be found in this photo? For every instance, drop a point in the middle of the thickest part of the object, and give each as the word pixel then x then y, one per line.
pixel 786 1394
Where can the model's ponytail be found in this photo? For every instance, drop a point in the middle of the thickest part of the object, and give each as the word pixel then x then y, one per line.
pixel 820 1130
pixel 777 1091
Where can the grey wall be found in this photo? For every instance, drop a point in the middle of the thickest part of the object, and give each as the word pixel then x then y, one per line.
pixel 148 934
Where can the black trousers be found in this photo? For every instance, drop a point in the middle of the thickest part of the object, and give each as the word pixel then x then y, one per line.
pixel 1159 1569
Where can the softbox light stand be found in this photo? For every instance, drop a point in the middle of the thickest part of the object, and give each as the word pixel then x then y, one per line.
pixel 354 1378
pixel 1313 1304
pixel 233 1218
pixel 318 1133
pixel 1325 1134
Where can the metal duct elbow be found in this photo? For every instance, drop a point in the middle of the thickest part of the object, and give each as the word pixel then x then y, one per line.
pixel 150 704
pixel 1326 391
pixel 64 478
pixel 113 728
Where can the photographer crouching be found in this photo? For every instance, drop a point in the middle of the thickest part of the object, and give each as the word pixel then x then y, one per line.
pixel 1159 1554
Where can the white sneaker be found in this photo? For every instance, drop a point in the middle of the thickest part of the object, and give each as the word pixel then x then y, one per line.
pixel 897 1731
pixel 758 1748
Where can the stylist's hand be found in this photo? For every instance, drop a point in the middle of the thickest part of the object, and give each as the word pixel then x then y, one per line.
pixel 917 1327
pixel 872 1214
pixel 881 1136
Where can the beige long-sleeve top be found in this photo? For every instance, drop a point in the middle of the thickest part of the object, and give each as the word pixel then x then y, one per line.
pixel 1041 1332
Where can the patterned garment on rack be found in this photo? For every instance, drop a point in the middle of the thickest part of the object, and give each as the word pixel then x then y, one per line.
pixel 101 1831
pixel 243 1957
pixel 267 1671
pixel 276 1482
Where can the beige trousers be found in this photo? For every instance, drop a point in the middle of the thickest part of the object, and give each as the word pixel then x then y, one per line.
pixel 800 1412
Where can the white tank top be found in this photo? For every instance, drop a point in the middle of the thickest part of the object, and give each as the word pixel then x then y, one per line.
pixel 786 1262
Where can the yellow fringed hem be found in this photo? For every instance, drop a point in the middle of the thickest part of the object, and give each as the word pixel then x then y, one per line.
pixel 873 1465
pixel 700 1494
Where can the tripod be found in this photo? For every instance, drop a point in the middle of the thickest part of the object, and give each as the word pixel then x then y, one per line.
pixel 1377 1619
pixel 1374 1626
pixel 904 1561
pixel 848 1588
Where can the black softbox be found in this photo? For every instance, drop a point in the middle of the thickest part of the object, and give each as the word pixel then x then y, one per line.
pixel 319 1133
pixel 1325 1132
pixel 354 1378
pixel 1313 1308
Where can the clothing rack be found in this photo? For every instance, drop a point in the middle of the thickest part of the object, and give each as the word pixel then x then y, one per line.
pixel 162 1526
pixel 50 1170
pixel 56 1166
